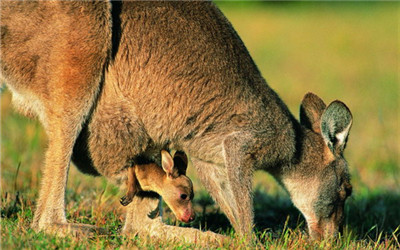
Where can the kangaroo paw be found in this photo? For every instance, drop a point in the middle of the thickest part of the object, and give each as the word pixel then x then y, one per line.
pixel 125 200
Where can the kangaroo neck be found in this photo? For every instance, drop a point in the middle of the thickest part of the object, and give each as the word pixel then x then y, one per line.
pixel 150 177
pixel 310 152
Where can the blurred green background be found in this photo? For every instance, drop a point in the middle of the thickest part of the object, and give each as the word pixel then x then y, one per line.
pixel 342 50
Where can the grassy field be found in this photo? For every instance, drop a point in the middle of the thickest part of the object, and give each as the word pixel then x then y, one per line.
pixel 346 51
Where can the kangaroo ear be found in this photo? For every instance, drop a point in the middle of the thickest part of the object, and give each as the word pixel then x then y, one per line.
pixel 168 164
pixel 336 122
pixel 311 110
pixel 180 162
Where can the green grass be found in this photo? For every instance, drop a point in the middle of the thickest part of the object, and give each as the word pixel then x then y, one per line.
pixel 346 51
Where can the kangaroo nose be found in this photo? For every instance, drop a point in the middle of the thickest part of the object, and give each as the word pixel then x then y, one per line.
pixel 324 229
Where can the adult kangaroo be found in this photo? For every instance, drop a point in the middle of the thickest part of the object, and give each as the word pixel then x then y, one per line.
pixel 115 82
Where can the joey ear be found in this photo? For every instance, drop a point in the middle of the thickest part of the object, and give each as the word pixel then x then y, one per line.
pixel 311 110
pixel 180 162
pixel 168 164
pixel 336 122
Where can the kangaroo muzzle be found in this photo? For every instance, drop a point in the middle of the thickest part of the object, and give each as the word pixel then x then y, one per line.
pixel 325 228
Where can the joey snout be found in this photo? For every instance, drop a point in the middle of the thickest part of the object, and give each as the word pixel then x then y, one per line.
pixel 182 206
pixel 188 215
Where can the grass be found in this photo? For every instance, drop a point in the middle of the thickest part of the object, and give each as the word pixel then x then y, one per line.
pixel 348 51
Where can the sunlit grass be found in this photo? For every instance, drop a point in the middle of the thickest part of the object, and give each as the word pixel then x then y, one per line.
pixel 346 51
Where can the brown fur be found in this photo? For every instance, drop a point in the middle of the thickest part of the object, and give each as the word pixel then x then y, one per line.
pixel 178 77
pixel 132 185
pixel 55 74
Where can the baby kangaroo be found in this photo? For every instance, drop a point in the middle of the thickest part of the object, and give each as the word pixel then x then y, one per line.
pixel 169 181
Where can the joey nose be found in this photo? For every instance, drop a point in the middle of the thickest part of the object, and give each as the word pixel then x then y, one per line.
pixel 192 217
pixel 188 219
pixel 188 216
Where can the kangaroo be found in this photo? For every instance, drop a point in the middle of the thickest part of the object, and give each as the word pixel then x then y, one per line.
pixel 170 182
pixel 111 81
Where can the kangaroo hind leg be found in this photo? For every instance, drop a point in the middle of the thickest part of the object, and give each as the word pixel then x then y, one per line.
pixel 68 84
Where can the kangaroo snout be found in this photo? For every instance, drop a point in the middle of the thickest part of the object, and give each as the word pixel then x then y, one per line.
pixel 325 229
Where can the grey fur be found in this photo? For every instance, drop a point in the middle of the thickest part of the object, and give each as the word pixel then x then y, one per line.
pixel 336 119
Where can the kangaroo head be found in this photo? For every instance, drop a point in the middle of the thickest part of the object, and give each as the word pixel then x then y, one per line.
pixel 319 181
pixel 177 187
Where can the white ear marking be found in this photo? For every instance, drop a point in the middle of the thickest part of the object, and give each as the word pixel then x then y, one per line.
pixel 341 137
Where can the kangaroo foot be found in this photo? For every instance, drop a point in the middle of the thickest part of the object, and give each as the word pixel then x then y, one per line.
pixel 125 200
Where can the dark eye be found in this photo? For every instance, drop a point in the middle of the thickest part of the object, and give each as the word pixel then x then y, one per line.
pixel 349 190
pixel 184 196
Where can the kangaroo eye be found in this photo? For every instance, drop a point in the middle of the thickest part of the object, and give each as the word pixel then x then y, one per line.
pixel 348 190
pixel 184 196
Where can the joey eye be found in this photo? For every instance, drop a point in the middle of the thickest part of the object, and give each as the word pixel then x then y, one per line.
pixel 184 196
